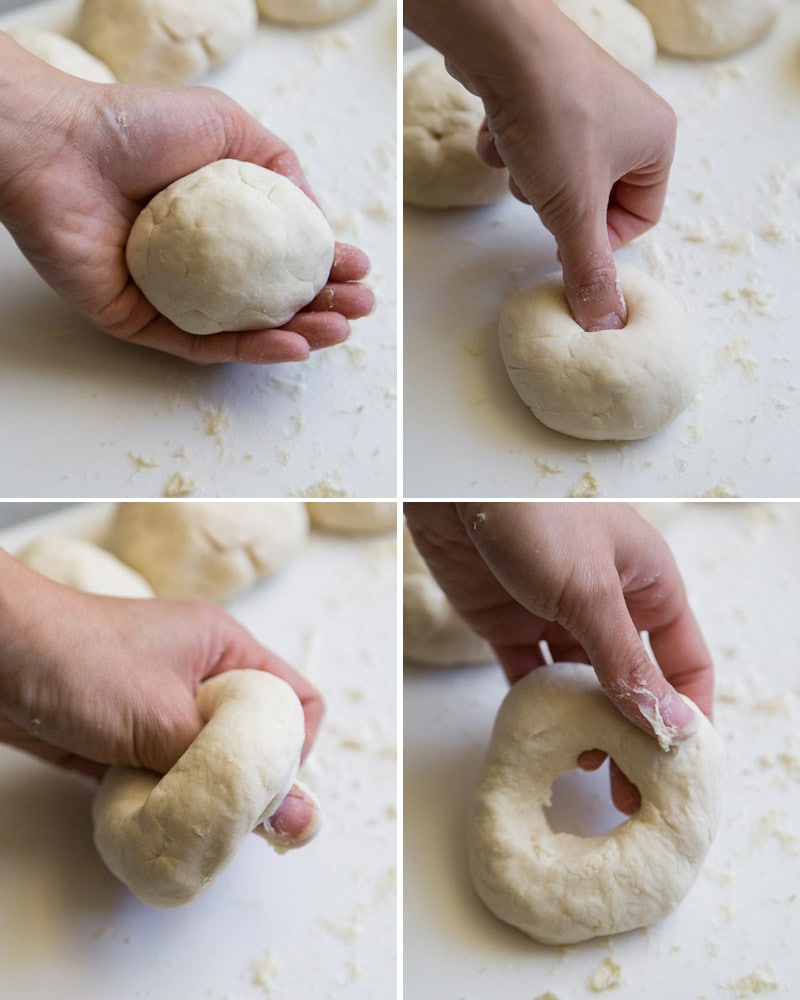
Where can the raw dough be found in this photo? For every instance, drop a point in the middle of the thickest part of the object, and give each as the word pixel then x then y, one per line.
pixel 709 28
pixel 353 518
pixel 308 11
pixel 560 888
pixel 232 246
pixel 617 27
pixel 84 566
pixel 434 634
pixel 167 838
pixel 165 41
pixel 616 385
pixel 207 551
pixel 63 53
pixel 441 119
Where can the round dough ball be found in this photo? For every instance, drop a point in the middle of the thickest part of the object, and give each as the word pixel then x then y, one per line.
pixel 618 27
pixel 709 28
pixel 561 888
pixel 84 566
pixel 353 518
pixel 611 385
pixel 232 246
pixel 441 120
pixel 434 634
pixel 167 838
pixel 165 41
pixel 63 53
pixel 207 551
pixel 308 12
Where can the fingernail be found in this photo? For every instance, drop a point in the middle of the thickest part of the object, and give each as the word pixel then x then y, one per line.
pixel 613 321
pixel 672 719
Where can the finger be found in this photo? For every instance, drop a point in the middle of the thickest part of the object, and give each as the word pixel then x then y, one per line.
pixel 682 654
pixel 487 148
pixel 590 760
pixel 351 300
pixel 592 290
pixel 518 661
pixel 319 329
pixel 624 794
pixel 349 263
pixel 295 822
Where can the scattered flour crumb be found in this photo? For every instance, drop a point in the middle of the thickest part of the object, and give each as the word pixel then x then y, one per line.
pixel 264 972
pixel 775 824
pixel 324 488
pixel 546 996
pixel 140 462
pixel 179 485
pixel 724 490
pixel 752 985
pixel 586 486
pixel 606 976
pixel 215 420
pixel 733 353
pixel 546 468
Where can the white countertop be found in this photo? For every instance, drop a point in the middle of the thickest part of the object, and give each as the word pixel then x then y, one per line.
pixel 316 923
pixel 728 246
pixel 87 416
pixel 741 564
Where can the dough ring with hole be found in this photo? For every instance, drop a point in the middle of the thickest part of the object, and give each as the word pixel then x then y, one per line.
pixel 167 838
pixel 560 888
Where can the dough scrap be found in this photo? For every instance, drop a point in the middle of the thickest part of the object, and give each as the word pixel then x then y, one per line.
pixel 165 41
pixel 167 838
pixel 560 888
pixel 84 566
pixel 441 119
pixel 308 12
pixel 63 53
pixel 709 28
pixel 232 246
pixel 434 634
pixel 363 517
pixel 612 385
pixel 207 551
pixel 618 27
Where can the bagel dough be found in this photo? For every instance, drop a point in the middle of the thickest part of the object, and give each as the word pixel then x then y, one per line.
pixel 232 246
pixel 63 53
pixel 364 517
pixel 709 28
pixel 434 634
pixel 308 12
pixel 612 385
pixel 84 566
pixel 618 27
pixel 441 120
pixel 207 551
pixel 165 41
pixel 167 838
pixel 561 888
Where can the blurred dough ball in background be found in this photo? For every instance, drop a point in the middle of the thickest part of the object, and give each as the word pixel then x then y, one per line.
pixel 63 53
pixel 84 566
pixel 366 517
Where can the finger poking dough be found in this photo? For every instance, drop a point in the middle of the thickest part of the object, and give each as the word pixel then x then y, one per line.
pixel 232 246
pixel 167 838
pixel 610 385
pixel 560 888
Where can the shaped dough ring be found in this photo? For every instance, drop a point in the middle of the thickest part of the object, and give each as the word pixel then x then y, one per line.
pixel 167 838
pixel 560 888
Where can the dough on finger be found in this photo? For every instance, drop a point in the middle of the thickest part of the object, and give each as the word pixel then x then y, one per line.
pixel 84 566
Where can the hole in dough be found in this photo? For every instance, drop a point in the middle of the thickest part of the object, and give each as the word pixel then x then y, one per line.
pixel 580 803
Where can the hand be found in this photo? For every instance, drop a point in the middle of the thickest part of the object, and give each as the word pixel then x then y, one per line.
pixel 87 681
pixel 585 579
pixel 93 156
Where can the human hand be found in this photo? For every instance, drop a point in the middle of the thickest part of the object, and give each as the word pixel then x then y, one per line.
pixel 93 156
pixel 88 681
pixel 586 579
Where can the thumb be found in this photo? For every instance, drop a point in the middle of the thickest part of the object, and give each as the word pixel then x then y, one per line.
pixel 592 290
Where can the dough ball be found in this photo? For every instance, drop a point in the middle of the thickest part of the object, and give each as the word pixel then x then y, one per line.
pixel 84 566
pixel 434 634
pixel 165 41
pixel 709 28
pixel 232 246
pixel 168 838
pixel 612 385
pixel 207 551
pixel 353 518
pixel 63 53
pixel 561 888
pixel 308 12
pixel 618 27
pixel 441 120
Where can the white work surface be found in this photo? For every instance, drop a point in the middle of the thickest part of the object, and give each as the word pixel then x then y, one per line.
pixel 741 564
pixel 88 416
pixel 315 923
pixel 728 247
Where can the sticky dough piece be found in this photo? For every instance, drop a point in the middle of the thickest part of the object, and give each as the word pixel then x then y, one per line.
pixel 168 838
pixel 560 888
pixel 610 385
pixel 365 517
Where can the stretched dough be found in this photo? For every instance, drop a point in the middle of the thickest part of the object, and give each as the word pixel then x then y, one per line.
pixel 167 838
pixel 616 385
pixel 364 517
pixel 207 551
pixel 84 566
pixel 560 888
pixel 709 28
